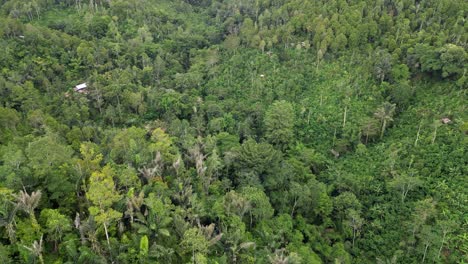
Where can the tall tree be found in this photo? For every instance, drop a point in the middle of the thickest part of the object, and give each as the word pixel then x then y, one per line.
pixel 102 195
pixel 279 123
pixel 28 202
pixel 404 183
pixel 56 224
pixel 385 114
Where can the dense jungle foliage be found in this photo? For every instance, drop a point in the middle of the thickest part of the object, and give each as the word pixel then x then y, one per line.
pixel 222 131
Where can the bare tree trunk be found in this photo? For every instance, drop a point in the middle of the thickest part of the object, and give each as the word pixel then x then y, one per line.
pixel 193 255
pixel 294 207
pixel 434 135
pixel 344 116
pixel 107 235
pixel 425 252
pixel 442 245
pixel 384 124
pixel 405 193
pixel 417 135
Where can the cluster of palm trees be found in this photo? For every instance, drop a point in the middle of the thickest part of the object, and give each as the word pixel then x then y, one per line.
pixel 27 203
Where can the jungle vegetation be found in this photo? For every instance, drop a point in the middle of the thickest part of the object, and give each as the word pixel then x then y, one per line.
pixel 221 131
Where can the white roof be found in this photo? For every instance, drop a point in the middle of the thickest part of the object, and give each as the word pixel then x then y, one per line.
pixel 81 86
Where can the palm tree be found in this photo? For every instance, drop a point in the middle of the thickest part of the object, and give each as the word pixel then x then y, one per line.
pixel 237 248
pixel 134 204
pixel 355 222
pixel 279 257
pixel 28 202
pixel 370 128
pixel 385 114
pixel 392 260
pixel 36 250
pixel 156 168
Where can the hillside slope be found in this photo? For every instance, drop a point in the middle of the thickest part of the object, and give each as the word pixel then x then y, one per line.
pixel 268 131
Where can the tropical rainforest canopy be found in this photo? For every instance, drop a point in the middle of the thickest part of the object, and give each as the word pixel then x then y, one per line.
pixel 222 131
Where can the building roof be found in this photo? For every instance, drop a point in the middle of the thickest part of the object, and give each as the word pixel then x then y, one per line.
pixel 80 87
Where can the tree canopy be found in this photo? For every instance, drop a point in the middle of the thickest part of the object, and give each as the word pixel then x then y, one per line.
pixel 217 131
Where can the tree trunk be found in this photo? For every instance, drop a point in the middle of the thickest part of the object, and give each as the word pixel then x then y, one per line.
pixel 417 135
pixel 405 193
pixel 441 245
pixel 107 235
pixel 294 207
pixel 425 252
pixel 193 255
pixel 384 124
pixel 435 134
pixel 344 116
